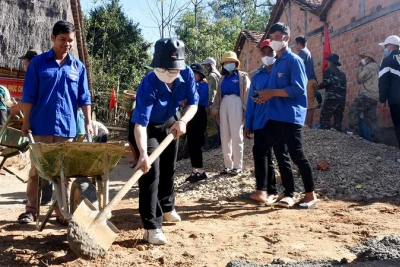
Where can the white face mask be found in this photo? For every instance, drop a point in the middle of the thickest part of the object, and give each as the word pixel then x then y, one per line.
pixel 268 61
pixel 230 67
pixel 166 77
pixel 363 61
pixel 277 46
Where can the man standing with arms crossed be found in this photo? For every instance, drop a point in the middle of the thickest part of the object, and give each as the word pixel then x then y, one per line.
pixel 55 87
pixel 286 109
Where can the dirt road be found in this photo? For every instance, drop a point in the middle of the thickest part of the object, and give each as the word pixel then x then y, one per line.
pixel 212 233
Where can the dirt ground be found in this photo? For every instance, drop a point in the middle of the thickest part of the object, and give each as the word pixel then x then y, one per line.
pixel 212 233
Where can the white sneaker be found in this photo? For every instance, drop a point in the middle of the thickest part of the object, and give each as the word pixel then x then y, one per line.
pixel 172 216
pixel 155 236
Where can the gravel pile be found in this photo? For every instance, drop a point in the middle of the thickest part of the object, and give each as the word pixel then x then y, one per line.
pixel 357 170
pixel 384 248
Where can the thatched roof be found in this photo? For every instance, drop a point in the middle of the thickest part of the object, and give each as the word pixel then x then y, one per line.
pixel 28 23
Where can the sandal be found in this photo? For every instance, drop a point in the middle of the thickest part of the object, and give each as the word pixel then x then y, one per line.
pixel 286 202
pixel 62 221
pixel 309 205
pixel 271 199
pixel 26 217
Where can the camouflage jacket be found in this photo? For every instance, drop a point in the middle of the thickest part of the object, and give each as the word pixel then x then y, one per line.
pixel 213 80
pixel 334 82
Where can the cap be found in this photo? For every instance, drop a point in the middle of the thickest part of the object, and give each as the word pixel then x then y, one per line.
pixel 392 39
pixel 210 61
pixel 198 68
pixel 30 54
pixel 169 54
pixel 266 42
pixel 229 56
pixel 367 54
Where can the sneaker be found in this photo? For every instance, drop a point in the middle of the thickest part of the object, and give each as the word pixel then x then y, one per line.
pixel 235 172
pixel 190 177
pixel 198 177
pixel 154 236
pixel 224 171
pixel 172 216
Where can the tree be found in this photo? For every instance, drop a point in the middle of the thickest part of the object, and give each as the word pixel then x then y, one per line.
pixel 117 52
pixel 253 14
pixel 209 38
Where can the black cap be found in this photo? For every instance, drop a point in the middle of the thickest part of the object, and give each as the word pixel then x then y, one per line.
pixel 30 54
pixel 169 54
pixel 334 59
pixel 198 68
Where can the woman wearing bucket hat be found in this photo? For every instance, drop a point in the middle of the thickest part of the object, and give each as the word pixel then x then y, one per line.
pixel 229 107
pixel 197 126
pixel 158 99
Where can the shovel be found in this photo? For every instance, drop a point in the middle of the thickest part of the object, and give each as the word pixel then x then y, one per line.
pixel 90 234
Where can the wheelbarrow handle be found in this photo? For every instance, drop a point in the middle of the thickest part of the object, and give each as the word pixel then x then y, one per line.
pixel 135 177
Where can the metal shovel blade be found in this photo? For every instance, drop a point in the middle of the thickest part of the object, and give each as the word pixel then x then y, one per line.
pixel 87 238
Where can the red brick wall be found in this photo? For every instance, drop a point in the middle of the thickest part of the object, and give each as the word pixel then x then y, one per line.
pixel 249 58
pixel 347 45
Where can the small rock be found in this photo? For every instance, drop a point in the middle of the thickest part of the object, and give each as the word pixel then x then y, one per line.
pixel 141 248
pixel 186 254
pixel 161 260
pixel 193 236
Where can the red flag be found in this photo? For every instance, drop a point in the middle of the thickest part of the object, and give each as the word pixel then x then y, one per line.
pixel 113 100
pixel 327 48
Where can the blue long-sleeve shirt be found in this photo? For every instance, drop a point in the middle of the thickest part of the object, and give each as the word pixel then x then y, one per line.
pixel 256 115
pixel 288 73
pixel 55 92
pixel 305 55
pixel 156 102
pixel 230 84
pixel 202 90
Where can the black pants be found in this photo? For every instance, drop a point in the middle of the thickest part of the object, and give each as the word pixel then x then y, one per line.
pixel 395 113
pixel 277 132
pixel 3 117
pixel 156 188
pixel 335 108
pixel 196 129
pixel 264 167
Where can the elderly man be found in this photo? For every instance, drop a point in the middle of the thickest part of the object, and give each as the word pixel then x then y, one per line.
pixel 367 99
pixel 389 80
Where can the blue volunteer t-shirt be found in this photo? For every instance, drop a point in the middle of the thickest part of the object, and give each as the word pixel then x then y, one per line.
pixel 202 90
pixel 156 102
pixel 256 115
pixel 230 84
pixel 288 73
pixel 55 92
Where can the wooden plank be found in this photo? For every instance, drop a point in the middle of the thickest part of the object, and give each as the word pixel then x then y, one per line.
pixel 117 128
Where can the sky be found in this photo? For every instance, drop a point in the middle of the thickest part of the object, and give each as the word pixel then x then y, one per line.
pixel 140 12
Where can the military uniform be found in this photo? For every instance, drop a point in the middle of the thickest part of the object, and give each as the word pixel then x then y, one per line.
pixel 335 83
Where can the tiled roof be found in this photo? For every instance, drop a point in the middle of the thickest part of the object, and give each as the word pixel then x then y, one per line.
pixel 312 4
pixel 253 36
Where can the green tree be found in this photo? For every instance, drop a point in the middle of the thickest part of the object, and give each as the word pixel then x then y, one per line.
pixel 117 52
pixel 253 14
pixel 209 38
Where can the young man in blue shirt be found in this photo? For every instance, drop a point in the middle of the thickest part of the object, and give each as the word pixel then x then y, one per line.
pixel 286 99
pixel 55 87
pixel 158 99
pixel 255 119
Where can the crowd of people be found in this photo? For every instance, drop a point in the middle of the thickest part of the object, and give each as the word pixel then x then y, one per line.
pixel 274 105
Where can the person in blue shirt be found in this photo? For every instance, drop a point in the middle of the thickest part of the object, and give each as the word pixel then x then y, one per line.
pixel 255 119
pixel 196 128
pixel 286 99
pixel 55 86
pixel 312 83
pixel 158 99
pixel 229 107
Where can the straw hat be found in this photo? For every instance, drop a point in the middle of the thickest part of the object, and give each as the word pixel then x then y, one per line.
pixel 229 56
pixel 367 54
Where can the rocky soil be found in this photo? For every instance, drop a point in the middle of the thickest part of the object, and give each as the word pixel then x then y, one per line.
pixel 358 169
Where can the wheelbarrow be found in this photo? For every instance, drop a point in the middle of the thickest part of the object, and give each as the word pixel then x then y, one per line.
pixel 78 162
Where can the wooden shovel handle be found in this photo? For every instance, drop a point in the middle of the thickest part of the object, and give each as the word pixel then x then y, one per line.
pixel 135 177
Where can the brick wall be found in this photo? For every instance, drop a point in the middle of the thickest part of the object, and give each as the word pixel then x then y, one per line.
pixel 249 57
pixel 347 44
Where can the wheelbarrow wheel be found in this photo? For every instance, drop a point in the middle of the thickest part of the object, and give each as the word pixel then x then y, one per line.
pixel 82 188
